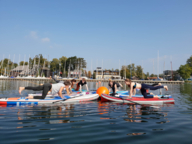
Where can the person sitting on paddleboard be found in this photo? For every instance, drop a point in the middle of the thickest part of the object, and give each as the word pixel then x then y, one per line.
pixel 81 83
pixel 114 86
pixel 143 88
pixel 53 88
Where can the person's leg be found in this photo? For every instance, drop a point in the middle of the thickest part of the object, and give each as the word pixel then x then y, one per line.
pixel 38 88
pixel 145 86
pixel 144 93
pixel 113 90
pixel 46 88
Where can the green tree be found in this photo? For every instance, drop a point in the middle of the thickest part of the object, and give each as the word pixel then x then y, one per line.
pixel 189 61
pixel 63 60
pixel 153 75
pixel 73 63
pixel 54 65
pixel 124 71
pixel 94 75
pixel 139 72
pixel 185 71
pixel 21 63
pixel 147 75
pixel 15 64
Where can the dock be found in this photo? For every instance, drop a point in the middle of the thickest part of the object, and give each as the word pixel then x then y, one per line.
pixel 90 80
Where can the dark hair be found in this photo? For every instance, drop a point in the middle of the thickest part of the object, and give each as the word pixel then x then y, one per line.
pixel 128 80
pixel 67 83
pixel 73 80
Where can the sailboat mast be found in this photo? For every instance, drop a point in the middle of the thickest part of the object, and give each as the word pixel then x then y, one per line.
pixel 102 69
pixel 119 68
pixel 125 70
pixel 2 65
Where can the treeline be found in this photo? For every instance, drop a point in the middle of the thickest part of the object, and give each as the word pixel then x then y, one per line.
pixel 62 64
pixel 185 71
pixel 131 71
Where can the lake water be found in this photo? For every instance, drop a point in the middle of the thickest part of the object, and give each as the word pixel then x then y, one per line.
pixel 96 122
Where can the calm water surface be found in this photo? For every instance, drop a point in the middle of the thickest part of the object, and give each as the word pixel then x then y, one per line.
pixel 96 122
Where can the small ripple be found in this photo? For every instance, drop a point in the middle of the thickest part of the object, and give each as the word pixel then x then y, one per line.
pixel 135 134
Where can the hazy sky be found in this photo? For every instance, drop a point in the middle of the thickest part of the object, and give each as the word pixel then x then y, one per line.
pixel 108 30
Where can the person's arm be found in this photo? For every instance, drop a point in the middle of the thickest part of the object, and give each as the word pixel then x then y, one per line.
pixel 60 92
pixel 80 87
pixel 70 90
pixel 87 87
pixel 109 89
pixel 131 90
pixel 67 89
pixel 134 91
pixel 115 88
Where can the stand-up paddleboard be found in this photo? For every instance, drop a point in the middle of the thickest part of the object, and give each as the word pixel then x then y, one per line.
pixel 139 100
pixel 49 95
pixel 50 100
pixel 127 94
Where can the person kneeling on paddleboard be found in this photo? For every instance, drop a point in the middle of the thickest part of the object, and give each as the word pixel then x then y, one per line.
pixel 143 88
pixel 114 86
pixel 53 88
pixel 73 82
pixel 81 83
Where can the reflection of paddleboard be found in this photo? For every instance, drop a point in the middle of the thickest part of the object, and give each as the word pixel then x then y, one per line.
pixel 49 100
pixel 141 100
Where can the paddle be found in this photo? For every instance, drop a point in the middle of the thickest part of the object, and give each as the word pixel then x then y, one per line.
pixel 129 100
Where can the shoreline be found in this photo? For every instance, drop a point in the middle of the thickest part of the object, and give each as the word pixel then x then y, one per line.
pixel 91 80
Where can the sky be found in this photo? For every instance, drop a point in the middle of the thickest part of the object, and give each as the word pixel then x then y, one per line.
pixel 111 33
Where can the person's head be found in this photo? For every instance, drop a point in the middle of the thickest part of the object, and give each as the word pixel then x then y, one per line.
pixel 73 81
pixel 127 82
pixel 83 80
pixel 67 83
pixel 110 82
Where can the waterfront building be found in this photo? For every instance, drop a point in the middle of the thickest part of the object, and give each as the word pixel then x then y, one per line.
pixel 106 74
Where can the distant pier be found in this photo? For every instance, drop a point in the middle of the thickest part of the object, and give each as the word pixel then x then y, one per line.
pixel 90 80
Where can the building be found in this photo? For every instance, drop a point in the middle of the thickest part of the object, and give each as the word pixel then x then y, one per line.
pixel 45 71
pixel 154 78
pixel 106 74
pixel 26 70
pixel 74 74
pixel 168 74
pixel 19 71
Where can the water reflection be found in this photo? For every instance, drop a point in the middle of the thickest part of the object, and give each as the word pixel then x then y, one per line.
pixel 96 122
